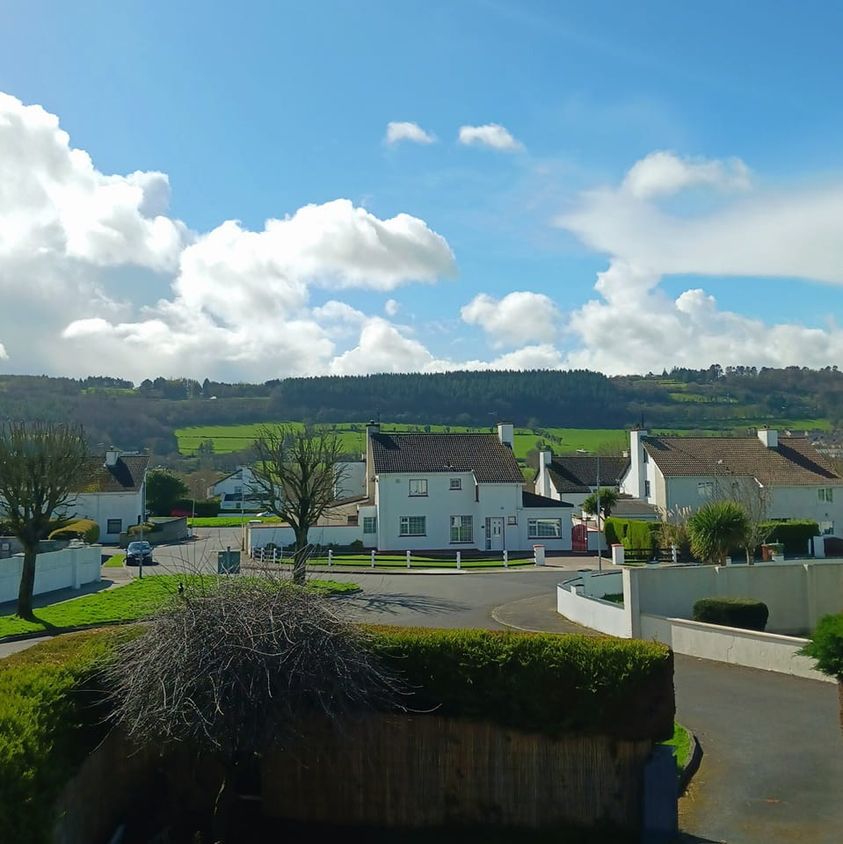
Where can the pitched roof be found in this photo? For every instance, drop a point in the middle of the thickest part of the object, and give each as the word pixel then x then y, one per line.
pixel 125 476
pixel 530 499
pixel 578 473
pixel 483 454
pixel 794 462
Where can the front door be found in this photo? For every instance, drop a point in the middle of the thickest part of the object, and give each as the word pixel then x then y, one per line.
pixel 494 534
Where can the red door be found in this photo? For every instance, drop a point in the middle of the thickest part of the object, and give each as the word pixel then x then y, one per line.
pixel 579 538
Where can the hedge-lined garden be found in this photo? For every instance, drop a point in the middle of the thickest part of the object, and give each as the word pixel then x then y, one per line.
pixel 745 613
pixel 50 717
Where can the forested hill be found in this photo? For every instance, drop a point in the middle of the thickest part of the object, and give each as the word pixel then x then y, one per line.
pixel 114 410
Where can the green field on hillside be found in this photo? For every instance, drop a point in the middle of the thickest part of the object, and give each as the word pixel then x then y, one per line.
pixel 227 438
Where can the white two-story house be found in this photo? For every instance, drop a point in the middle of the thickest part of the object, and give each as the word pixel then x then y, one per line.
pixel 454 491
pixel 678 472
pixel 237 491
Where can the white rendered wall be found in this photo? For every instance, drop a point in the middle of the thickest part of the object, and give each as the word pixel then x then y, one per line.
pixel 102 506
pixel 68 568
pixel 260 535
pixel 604 616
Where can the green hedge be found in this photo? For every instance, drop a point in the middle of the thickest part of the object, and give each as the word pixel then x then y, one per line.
pixel 204 508
pixel 826 646
pixel 78 529
pixel 146 527
pixel 49 721
pixel 793 534
pixel 746 613
pixel 634 534
pixel 537 681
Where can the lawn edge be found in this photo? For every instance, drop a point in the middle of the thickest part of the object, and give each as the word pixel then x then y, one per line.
pixel 693 763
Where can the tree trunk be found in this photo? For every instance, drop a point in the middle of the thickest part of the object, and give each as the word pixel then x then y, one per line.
pixel 223 806
pixel 27 582
pixel 300 559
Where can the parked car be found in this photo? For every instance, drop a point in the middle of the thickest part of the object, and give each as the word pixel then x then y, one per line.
pixel 139 552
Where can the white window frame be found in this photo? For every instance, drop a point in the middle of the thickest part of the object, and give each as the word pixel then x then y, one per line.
pixel 826 493
pixel 405 526
pixel 455 483
pixel 462 536
pixel 420 483
pixel 109 522
pixel 535 528
pixel 372 521
pixel 705 489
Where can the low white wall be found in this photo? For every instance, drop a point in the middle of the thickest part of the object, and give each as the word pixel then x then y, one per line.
pixel 596 584
pixel 592 612
pixel 70 567
pixel 260 535
pixel 752 649
pixel 797 593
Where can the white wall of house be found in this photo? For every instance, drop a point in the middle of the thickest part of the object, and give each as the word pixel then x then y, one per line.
pixel 259 536
pixel 235 485
pixel 807 502
pixel 65 569
pixel 114 512
pixel 495 501
pixel 352 480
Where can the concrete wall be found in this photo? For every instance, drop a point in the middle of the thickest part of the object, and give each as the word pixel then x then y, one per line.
pixel 70 567
pixel 257 536
pixel 597 614
pixel 353 480
pixel 798 594
pixel 767 651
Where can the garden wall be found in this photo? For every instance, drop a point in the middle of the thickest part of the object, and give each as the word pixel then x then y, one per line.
pixel 70 567
pixel 260 535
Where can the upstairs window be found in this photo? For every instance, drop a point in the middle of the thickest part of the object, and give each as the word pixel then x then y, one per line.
pixel 418 486
pixel 705 489
pixel 647 489
pixel 826 494
pixel 456 483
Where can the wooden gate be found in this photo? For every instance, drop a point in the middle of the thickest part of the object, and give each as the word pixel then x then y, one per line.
pixel 579 538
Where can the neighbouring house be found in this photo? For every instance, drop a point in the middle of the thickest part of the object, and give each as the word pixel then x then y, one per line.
pixel 678 472
pixel 237 491
pixel 454 491
pixel 113 495
pixel 573 477
pixel 351 480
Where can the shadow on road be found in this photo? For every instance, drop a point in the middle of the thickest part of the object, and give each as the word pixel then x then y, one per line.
pixel 392 603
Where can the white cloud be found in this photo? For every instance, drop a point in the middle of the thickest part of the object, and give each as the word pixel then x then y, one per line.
pixel 636 327
pixel 3 354
pixel 664 173
pixel 391 307
pixel 489 135
pixel 518 318
pixel 397 131
pixel 382 348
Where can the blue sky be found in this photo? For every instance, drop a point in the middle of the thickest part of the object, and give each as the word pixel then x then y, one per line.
pixel 257 110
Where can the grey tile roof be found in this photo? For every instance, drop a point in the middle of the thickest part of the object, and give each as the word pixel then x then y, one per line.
pixel 530 499
pixel 794 462
pixel 125 476
pixel 482 454
pixel 578 473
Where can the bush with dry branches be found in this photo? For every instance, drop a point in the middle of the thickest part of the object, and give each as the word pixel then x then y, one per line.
pixel 233 665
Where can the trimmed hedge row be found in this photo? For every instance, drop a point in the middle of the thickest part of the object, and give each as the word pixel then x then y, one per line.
pixel 537 681
pixel 49 722
pixel 78 529
pixel 636 535
pixel 793 534
pixel 746 613
pixel 203 508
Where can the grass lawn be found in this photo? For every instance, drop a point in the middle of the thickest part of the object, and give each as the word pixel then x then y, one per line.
pixel 134 601
pixel 681 744
pixel 115 561
pixel 228 521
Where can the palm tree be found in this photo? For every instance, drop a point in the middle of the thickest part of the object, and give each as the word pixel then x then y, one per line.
pixel 608 501
pixel 717 529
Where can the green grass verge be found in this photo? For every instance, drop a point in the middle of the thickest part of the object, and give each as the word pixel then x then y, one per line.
pixel 135 600
pixel 116 561
pixel 682 745
pixel 228 521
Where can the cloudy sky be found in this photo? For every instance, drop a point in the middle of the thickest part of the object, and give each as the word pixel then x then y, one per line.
pixel 258 190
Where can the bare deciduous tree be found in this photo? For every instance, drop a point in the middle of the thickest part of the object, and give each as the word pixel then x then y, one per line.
pixel 234 665
pixel 755 501
pixel 42 467
pixel 295 475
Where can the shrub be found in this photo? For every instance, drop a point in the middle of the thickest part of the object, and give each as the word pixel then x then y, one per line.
pixel 146 527
pixel 716 530
pixel 793 534
pixel 79 529
pixel 636 535
pixel 826 646
pixel 203 509
pixel 746 613
pixel 537 681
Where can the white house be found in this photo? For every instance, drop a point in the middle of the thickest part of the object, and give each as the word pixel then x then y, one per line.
pixel 237 491
pixel 574 477
pixel 113 495
pixel 454 491
pixel 677 472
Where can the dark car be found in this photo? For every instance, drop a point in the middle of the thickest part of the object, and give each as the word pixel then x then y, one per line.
pixel 139 553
